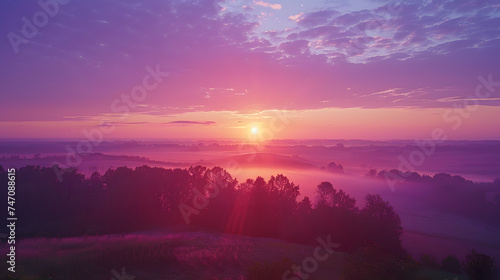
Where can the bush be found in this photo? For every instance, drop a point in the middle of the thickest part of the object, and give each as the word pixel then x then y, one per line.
pixel 373 263
pixel 479 267
pixel 429 261
pixel 268 271
pixel 451 265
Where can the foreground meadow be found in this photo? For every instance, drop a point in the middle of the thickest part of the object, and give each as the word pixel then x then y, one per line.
pixel 158 255
pixel 172 255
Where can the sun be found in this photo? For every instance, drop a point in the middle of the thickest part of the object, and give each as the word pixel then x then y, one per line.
pixel 255 130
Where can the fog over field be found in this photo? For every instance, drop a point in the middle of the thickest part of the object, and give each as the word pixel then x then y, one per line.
pixel 428 228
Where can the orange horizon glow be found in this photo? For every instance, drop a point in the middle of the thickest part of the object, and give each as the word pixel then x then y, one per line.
pixel 333 123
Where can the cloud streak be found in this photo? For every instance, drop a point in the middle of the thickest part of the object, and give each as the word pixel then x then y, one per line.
pixel 269 5
pixel 190 123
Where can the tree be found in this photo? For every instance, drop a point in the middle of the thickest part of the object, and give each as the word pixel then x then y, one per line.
pixel 304 207
pixel 479 267
pixel 384 223
pixel 344 201
pixel 283 187
pixel 196 175
pixel 328 196
pixel 323 194
pixel 219 178
pixel 496 181
pixel 379 209
pixel 452 265
pixel 429 261
pixel 496 199
pixel 371 262
pixel 372 173
pixel 334 168
pixel 298 227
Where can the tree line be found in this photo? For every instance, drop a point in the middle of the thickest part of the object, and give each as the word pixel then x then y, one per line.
pixel 149 198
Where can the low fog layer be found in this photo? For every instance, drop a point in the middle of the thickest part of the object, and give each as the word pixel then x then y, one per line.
pixel 430 218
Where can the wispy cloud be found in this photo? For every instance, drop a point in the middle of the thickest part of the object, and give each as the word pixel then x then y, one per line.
pixel 269 5
pixel 190 123
pixel 296 17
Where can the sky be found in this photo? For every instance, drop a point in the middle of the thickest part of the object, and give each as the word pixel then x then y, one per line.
pixel 364 69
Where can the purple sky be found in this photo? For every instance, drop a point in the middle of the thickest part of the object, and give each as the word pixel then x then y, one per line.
pixel 229 60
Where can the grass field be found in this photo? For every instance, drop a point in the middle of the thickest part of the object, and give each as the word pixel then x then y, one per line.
pixel 164 255
pixel 188 255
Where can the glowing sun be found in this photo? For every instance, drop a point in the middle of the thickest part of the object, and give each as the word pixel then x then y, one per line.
pixel 254 130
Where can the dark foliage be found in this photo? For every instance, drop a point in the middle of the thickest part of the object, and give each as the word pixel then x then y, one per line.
pixel 372 262
pixel 268 271
pixel 148 198
pixel 451 265
pixel 429 262
pixel 479 267
pixel 463 197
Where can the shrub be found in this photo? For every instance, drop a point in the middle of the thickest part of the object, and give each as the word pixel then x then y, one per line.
pixel 429 261
pixel 268 271
pixel 479 267
pixel 373 263
pixel 451 265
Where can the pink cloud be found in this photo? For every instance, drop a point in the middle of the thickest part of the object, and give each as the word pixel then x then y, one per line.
pixel 269 5
pixel 296 17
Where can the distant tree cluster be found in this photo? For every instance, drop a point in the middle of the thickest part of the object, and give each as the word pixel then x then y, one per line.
pixel 333 168
pixel 452 194
pixel 147 198
pixel 450 263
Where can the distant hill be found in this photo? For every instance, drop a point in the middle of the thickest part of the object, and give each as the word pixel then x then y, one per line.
pixel 93 159
pixel 267 160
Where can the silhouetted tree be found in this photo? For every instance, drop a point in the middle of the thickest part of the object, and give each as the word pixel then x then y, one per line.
pixel 451 265
pixel 372 173
pixel 298 227
pixel 384 224
pixel 220 191
pixel 324 193
pixel 373 263
pixel 479 267
pixel 304 207
pixel 328 196
pixel 496 199
pixel 334 168
pixel 429 261
pixel 344 201
pixel 144 198
pixel 283 189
